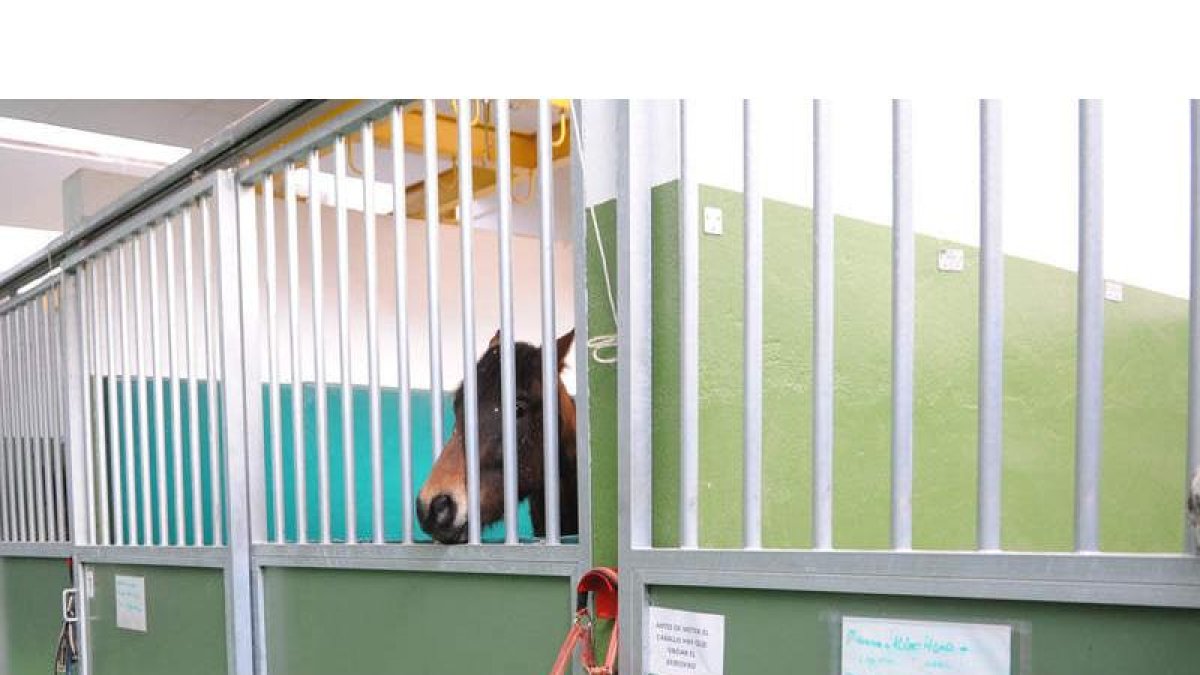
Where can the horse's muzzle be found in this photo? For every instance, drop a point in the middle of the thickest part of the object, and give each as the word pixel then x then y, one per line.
pixel 438 519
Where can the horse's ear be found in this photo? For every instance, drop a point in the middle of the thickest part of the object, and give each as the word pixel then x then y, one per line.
pixel 564 345
pixel 495 339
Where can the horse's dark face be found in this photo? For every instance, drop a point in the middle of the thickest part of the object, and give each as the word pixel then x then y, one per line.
pixel 442 502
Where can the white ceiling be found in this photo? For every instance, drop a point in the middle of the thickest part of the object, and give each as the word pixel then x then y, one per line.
pixel 31 182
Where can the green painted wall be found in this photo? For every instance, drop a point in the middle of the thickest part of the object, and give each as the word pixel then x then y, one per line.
pixel 30 613
pixel 185 620
pixel 344 621
pixel 770 632
pixel 1145 393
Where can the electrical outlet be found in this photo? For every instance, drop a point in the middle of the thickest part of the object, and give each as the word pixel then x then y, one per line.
pixel 951 260
pixel 714 220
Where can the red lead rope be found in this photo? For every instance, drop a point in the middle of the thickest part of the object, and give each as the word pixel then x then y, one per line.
pixel 602 582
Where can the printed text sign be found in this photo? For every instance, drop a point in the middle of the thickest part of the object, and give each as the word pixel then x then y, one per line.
pixel 685 643
pixel 894 647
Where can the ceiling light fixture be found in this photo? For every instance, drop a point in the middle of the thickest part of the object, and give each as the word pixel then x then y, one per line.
pixel 50 139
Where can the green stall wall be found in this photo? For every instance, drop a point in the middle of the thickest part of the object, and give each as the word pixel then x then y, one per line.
pixel 30 613
pixel 185 622
pixel 1145 385
pixel 1145 388
pixel 356 621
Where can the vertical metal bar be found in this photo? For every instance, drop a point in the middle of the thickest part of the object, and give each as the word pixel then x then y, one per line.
pixel 57 383
pixel 689 338
pixel 752 365
pixel 21 362
pixel 212 327
pixel 903 324
pixel 300 473
pixel 242 405
pixel 143 370
pixel 79 522
pixel 400 221
pixel 550 357
pixel 103 502
pixel 37 397
pixel 634 368
pixel 374 394
pixel 6 486
pixel 1193 456
pixel 823 323
pixel 344 365
pixel 991 328
pixel 80 410
pixel 157 372
pixel 466 201
pixel 130 484
pixel 173 357
pixel 508 367
pixel 1089 412
pixel 7 387
pixel 273 402
pixel 318 322
pixel 433 274
pixel 189 334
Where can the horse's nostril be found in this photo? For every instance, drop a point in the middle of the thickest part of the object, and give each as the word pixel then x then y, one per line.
pixel 441 511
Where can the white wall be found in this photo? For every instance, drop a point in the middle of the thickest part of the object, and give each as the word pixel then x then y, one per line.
pixel 1145 154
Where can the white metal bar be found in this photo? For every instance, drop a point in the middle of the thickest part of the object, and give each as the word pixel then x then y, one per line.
pixel 550 355
pixel 318 323
pixel 59 381
pixel 159 375
pixel 6 485
pixel 1089 412
pixel 41 430
pixel 470 426
pixel 143 371
pixel 400 222
pixel 241 402
pixel 903 324
pixel 192 365
pixel 97 412
pixel 753 312
pixel 689 337
pixel 28 442
pixel 300 473
pixel 508 368
pixel 823 325
pixel 212 327
pixel 374 394
pixel 634 368
pixel 79 336
pixel 130 481
pixel 433 274
pixel 344 363
pixel 273 402
pixel 991 328
pixel 1193 455
pixel 173 357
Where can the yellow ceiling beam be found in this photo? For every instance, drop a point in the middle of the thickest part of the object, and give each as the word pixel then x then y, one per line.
pixel 483 137
pixel 483 182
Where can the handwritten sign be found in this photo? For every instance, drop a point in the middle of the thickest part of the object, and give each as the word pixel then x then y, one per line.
pixel 685 643
pixel 131 603
pixel 893 647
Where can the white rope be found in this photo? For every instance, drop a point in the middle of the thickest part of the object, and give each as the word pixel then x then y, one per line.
pixel 597 344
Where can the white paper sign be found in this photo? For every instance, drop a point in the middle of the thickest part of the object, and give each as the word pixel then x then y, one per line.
pixel 685 643
pixel 131 603
pixel 893 647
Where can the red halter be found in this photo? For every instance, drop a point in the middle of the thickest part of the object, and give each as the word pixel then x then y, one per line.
pixel 602 583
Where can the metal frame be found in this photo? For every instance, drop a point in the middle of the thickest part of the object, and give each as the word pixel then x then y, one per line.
pixel 1083 577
